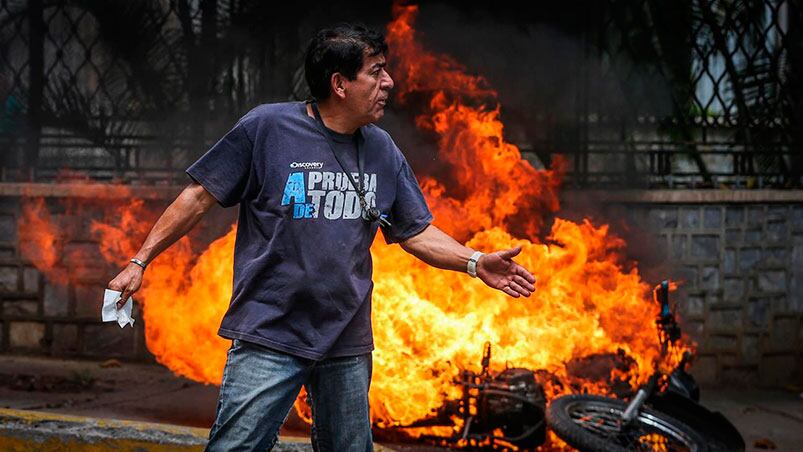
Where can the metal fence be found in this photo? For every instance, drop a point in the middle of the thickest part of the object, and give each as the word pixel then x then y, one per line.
pixel 732 72
pixel 701 93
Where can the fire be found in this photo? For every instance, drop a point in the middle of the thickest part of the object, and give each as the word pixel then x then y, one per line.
pixel 40 238
pixel 183 297
pixel 428 323
pixel 494 186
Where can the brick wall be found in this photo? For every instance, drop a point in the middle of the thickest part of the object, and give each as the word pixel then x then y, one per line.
pixel 739 253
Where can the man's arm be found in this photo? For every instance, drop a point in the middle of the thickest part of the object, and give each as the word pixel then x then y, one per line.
pixel 193 202
pixel 497 270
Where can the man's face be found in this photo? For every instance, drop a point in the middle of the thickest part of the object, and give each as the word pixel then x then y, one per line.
pixel 366 95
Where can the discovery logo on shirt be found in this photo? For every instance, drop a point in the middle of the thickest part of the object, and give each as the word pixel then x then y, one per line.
pixel 307 165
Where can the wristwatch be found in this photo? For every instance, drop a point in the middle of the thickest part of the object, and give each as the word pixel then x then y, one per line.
pixel 471 266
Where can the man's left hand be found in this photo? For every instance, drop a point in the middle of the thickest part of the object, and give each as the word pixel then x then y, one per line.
pixel 498 270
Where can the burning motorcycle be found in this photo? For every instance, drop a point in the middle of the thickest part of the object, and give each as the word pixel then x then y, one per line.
pixel 508 409
pixel 663 414
pixel 495 411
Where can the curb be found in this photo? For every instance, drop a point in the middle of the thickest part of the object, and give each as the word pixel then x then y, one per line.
pixel 39 431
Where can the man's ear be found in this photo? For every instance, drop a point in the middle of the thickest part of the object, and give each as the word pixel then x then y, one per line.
pixel 337 84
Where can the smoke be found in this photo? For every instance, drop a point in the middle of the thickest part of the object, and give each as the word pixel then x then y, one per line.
pixel 556 84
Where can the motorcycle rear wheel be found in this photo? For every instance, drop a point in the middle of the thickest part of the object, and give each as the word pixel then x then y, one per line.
pixel 594 424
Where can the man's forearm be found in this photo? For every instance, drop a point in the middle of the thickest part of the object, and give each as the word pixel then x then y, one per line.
pixel 438 249
pixel 177 220
pixel 496 270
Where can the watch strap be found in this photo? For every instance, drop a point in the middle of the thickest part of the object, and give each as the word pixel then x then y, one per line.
pixel 471 266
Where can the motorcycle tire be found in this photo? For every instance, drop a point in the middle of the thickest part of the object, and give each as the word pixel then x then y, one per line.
pixel 594 424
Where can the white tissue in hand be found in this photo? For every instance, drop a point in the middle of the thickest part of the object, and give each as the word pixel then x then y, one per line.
pixel 110 313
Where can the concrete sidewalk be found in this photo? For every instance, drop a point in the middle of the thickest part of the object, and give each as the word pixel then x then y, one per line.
pixel 38 431
pixel 27 431
pixel 86 404
pixel 49 404
pixel 55 404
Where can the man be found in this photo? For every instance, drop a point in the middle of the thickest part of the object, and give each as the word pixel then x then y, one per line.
pixel 314 182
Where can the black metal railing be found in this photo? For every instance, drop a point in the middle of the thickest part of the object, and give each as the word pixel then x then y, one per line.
pixel 732 71
pixel 697 93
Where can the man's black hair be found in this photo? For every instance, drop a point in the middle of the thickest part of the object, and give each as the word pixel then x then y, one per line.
pixel 339 49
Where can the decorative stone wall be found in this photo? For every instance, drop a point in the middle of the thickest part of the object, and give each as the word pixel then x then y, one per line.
pixel 738 254
pixel 743 265
pixel 739 260
pixel 41 317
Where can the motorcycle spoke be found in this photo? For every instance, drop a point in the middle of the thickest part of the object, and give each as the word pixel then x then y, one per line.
pixel 607 423
pixel 601 422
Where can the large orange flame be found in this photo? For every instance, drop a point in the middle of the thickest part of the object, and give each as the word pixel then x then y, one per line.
pixel 428 324
pixel 494 186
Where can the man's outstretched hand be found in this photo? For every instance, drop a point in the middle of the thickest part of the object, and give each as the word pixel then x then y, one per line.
pixel 498 270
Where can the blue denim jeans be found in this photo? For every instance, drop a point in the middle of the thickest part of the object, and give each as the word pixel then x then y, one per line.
pixel 260 385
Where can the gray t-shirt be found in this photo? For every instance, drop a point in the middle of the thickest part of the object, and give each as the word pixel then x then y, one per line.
pixel 302 266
